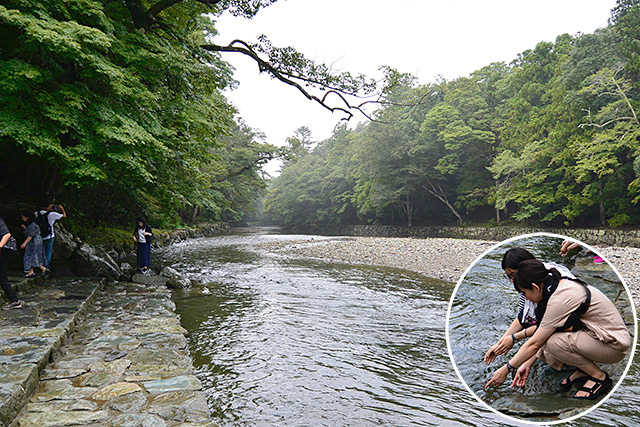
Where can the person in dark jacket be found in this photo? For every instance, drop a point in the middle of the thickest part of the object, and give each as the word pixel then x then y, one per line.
pixel 8 247
pixel 142 235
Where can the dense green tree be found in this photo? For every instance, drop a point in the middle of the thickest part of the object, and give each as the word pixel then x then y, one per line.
pixel 551 138
pixel 118 107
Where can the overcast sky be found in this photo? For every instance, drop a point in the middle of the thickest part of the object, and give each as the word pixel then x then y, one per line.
pixel 423 37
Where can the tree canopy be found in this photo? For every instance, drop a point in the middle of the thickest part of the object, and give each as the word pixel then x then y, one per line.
pixel 550 139
pixel 117 107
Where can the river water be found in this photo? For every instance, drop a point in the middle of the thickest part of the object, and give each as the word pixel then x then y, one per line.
pixel 283 342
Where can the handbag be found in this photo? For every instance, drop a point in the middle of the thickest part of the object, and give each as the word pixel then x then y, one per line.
pixel 11 244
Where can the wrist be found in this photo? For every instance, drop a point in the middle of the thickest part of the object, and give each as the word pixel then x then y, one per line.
pixel 510 368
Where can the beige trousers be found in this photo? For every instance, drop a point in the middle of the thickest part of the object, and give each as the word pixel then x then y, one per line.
pixel 577 349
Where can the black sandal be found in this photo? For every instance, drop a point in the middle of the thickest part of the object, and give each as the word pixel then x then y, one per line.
pixel 599 388
pixel 567 383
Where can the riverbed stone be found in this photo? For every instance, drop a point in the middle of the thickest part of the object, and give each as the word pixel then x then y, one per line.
pixel 17 382
pixel 180 383
pixel 115 390
pixel 95 379
pixel 62 405
pixel 543 405
pixel 184 406
pixel 170 273
pixel 167 325
pixel 18 350
pixel 61 390
pixel 56 374
pixel 62 418
pixel 81 362
pixel 138 420
pixel 129 403
pixel 114 355
pixel 164 357
pixel 117 367
pixel 149 279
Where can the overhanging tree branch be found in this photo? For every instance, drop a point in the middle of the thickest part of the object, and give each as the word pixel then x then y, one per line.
pixel 350 85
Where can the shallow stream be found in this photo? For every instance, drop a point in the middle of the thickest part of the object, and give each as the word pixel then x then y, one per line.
pixel 278 341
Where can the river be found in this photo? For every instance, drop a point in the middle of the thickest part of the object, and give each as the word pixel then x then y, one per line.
pixel 286 342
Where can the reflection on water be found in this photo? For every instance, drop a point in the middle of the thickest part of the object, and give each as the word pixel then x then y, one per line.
pixel 482 309
pixel 280 342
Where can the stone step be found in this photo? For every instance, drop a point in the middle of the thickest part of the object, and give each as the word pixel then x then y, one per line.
pixel 32 335
pixel 127 364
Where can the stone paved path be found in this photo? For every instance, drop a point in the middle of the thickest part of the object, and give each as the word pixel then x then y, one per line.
pixel 31 335
pixel 125 364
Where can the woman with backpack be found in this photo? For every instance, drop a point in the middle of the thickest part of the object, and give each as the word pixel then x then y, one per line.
pixel 577 326
pixel 142 235
pixel 34 256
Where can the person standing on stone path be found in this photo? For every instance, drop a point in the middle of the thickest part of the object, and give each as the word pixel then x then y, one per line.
pixel 53 213
pixel 33 248
pixel 142 235
pixel 578 326
pixel 8 247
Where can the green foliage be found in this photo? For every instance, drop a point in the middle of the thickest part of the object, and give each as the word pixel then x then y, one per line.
pixel 120 112
pixel 551 138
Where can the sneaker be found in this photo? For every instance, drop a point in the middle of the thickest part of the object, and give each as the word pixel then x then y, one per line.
pixel 597 260
pixel 144 270
pixel 13 305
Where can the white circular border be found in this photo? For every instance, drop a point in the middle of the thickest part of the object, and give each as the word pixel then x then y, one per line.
pixel 635 324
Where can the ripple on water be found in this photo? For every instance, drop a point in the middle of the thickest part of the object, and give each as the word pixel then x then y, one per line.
pixel 280 342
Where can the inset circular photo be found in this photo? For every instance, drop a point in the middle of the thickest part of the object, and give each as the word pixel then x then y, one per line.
pixel 541 329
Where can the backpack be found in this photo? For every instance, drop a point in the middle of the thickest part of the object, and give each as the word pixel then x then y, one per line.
pixel 43 222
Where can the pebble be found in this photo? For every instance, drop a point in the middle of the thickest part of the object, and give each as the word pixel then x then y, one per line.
pixel 439 258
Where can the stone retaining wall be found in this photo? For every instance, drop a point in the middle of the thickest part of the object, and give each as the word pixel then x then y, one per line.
pixel 588 236
pixel 176 236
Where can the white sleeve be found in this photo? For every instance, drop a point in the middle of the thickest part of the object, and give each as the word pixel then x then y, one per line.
pixel 564 271
pixel 53 217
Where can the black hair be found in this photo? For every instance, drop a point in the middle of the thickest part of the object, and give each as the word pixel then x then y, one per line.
pixel 142 220
pixel 514 256
pixel 533 271
pixel 29 215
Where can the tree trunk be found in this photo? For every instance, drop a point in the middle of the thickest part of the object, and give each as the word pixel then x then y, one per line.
pixel 603 218
pixel 440 195
pixel 407 207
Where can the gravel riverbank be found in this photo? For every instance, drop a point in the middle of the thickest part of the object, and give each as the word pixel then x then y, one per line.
pixel 439 258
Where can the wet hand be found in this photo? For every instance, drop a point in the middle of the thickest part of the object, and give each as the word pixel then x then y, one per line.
pixel 521 376
pixel 498 378
pixel 504 345
pixel 491 355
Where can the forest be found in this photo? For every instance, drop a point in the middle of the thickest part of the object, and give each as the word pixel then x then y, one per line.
pixel 116 109
pixel 550 139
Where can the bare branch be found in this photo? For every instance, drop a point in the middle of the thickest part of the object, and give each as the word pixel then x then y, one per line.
pixel 294 80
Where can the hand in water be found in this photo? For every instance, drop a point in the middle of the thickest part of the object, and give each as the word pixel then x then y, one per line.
pixel 501 347
pixel 521 376
pixel 498 378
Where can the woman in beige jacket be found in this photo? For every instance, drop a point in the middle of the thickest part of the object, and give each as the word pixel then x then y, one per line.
pixel 580 327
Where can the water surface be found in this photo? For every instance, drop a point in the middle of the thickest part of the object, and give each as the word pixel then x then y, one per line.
pixel 282 342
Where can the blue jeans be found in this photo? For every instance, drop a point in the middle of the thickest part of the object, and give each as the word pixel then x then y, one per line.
pixel 48 247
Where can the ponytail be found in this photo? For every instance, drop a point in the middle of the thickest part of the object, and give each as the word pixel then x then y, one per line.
pixel 534 272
